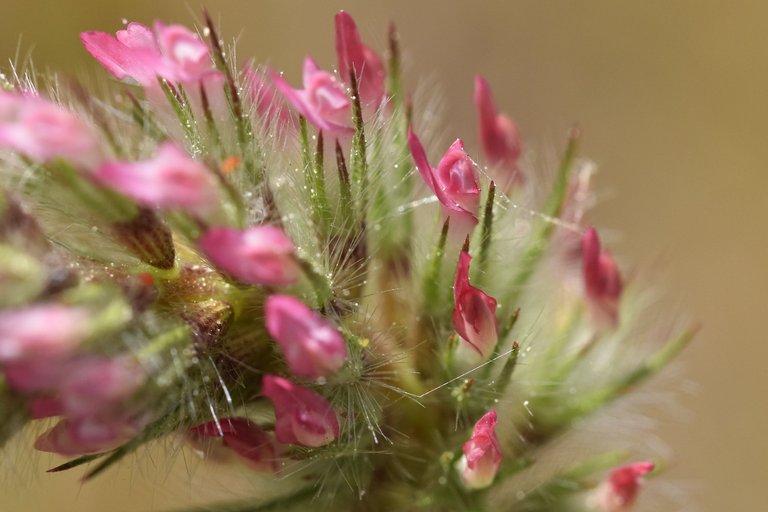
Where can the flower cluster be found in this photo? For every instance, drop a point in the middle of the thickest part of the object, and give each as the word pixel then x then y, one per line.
pixel 188 261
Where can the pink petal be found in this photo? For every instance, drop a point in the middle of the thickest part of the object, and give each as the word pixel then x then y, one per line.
pixel 474 312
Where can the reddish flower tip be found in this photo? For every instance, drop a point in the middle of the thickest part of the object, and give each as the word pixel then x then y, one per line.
pixel 246 439
pixel 602 281
pixel 619 491
pixel 482 454
pixel 499 137
pixel 474 311
pixel 354 55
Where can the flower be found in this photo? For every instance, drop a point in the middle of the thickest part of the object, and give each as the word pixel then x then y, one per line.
pixel 499 137
pixel 172 52
pixel 454 182
pixel 266 102
pixel 323 101
pixel 312 345
pixel 602 281
pixel 44 131
pixel 91 434
pixel 354 55
pixel 41 331
pixel 619 491
pixel 474 311
pixel 257 255
pixel 482 454
pixel 171 179
pixel 301 416
pixel 257 449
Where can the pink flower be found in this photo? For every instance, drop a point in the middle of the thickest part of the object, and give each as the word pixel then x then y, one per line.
pixel 257 255
pixel 172 52
pixel 454 182
pixel 42 331
pixel 258 450
pixel 44 131
pixel 323 101
pixel 602 281
pixel 474 311
pixel 312 345
pixel 93 384
pixel 270 107
pixel 353 54
pixel 619 491
pixel 171 179
pixel 482 454
pixel 86 435
pixel 499 137
pixel 301 416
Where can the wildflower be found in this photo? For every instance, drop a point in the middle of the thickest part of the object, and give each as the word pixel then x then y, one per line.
pixel 246 439
pixel 619 491
pixel 482 454
pixel 257 255
pixel 323 101
pixel 42 331
pixel 602 281
pixel 454 182
pixel 171 52
pixel 474 311
pixel 44 131
pixel 499 137
pixel 170 180
pixel 302 416
pixel 91 434
pixel 312 345
pixel 266 102
pixel 354 55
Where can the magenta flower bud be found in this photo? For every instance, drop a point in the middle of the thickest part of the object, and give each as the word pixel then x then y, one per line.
pixel 302 416
pixel 619 491
pixel 171 179
pixel 86 435
pixel 257 255
pixel 267 103
pixel 312 345
pixel 172 52
pixel 474 311
pixel 40 332
pixel 482 454
pixel 44 131
pixel 454 182
pixel 499 137
pixel 602 281
pixel 354 55
pixel 323 101
pixel 257 449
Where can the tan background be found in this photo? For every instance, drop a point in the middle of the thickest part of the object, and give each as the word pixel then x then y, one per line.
pixel 673 98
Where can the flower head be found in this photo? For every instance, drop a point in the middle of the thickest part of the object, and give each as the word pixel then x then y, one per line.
pixel 302 416
pixel 619 491
pixel 323 101
pixel 354 55
pixel 482 454
pixel 312 345
pixel 257 255
pixel 602 281
pixel 474 311
pixel 454 182
pixel 170 180
pixel 499 137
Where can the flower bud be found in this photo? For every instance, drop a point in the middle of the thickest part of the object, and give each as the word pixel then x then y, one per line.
pixel 474 311
pixel 619 491
pixel 86 435
pixel 257 255
pixel 323 101
pixel 499 137
pixel 312 345
pixel 257 449
pixel 602 281
pixel 171 179
pixel 482 454
pixel 354 55
pixel 301 416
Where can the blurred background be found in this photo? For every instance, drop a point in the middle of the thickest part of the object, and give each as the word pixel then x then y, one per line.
pixel 672 97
